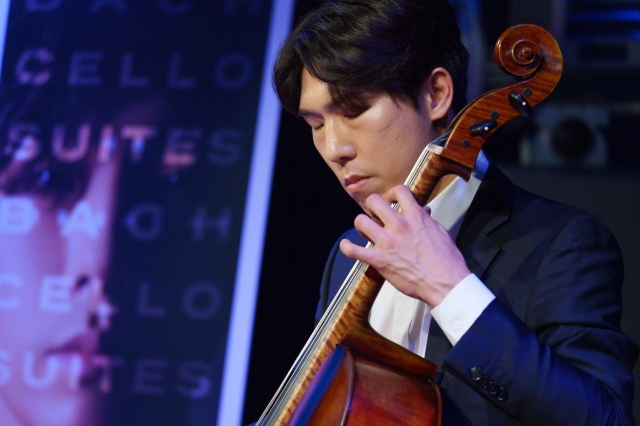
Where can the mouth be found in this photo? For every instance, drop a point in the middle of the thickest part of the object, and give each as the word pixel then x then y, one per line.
pixel 83 343
pixel 354 183
pixel 76 357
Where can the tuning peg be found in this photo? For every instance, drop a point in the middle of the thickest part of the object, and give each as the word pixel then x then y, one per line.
pixel 520 104
pixel 482 127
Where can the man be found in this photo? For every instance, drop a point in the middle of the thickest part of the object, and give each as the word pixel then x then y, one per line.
pixel 514 297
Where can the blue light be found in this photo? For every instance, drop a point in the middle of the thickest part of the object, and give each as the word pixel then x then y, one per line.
pixel 631 15
pixel 254 225
pixel 4 16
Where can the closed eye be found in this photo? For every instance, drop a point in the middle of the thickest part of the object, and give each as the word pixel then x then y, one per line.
pixel 309 121
pixel 314 124
pixel 353 114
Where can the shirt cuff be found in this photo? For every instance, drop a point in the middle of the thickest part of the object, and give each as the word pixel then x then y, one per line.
pixel 461 307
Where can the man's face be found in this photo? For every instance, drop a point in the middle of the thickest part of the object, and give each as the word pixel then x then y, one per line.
pixel 370 152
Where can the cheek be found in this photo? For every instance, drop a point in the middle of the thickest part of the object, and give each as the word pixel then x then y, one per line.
pixel 410 141
pixel 394 159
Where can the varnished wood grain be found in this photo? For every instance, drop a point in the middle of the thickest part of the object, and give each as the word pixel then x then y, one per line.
pixel 363 392
pixel 328 399
pixel 542 72
pixel 385 396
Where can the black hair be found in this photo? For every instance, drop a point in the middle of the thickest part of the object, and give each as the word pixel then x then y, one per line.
pixel 362 48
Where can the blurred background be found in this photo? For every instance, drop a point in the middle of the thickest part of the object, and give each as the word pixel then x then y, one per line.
pixel 163 227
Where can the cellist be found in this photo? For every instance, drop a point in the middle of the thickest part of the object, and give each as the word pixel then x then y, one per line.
pixel 516 298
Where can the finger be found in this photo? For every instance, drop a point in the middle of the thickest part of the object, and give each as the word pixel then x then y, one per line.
pixel 380 208
pixel 354 251
pixel 408 203
pixel 405 198
pixel 369 229
pixel 362 233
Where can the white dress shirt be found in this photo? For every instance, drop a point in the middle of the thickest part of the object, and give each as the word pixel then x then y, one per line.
pixel 405 320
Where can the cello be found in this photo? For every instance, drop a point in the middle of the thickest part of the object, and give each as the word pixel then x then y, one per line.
pixel 347 374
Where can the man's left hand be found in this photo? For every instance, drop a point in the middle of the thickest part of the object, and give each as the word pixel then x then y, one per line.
pixel 412 251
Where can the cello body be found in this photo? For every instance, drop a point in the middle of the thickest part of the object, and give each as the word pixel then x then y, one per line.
pixel 351 389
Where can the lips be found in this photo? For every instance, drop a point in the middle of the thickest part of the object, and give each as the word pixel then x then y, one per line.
pixel 355 183
pixel 77 357
pixel 83 343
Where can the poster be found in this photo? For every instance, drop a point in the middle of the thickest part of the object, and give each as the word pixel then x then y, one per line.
pixel 127 133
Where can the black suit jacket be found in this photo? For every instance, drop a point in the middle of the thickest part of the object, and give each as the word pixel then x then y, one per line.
pixel 548 350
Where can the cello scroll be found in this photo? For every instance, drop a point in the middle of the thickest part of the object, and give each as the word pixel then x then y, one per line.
pixel 531 55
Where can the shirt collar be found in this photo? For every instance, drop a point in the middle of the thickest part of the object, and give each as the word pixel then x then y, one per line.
pixel 450 206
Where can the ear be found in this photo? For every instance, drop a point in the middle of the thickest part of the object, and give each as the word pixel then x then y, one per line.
pixel 436 96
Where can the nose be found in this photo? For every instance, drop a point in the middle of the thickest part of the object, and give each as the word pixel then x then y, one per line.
pixel 97 310
pixel 88 245
pixel 338 146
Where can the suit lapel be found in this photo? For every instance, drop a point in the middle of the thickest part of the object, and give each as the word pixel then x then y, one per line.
pixel 490 209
